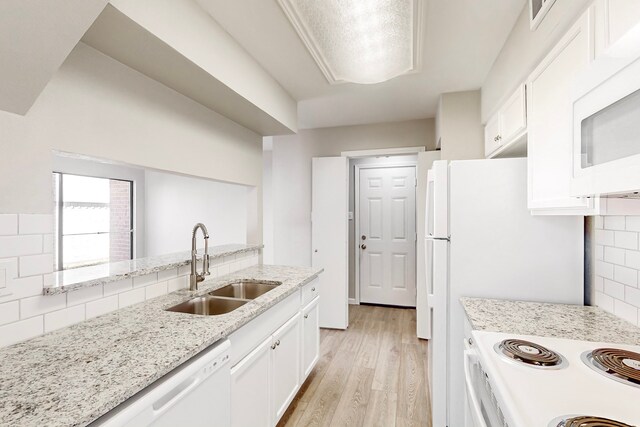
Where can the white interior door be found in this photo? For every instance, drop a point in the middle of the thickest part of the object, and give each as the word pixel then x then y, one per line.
pixel 387 224
pixel 330 238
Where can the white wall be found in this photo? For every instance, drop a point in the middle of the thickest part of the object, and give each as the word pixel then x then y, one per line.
pixel 461 133
pixel 174 204
pixel 524 49
pixel 98 107
pixel 267 201
pixel 291 174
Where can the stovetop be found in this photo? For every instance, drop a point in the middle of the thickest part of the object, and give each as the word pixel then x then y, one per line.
pixel 533 397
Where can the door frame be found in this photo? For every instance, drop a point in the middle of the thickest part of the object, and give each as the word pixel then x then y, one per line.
pixel 356 216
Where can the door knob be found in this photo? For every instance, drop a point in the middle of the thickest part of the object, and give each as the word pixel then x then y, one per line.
pixel 363 246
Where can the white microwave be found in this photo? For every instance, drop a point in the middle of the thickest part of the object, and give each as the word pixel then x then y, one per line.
pixel 606 127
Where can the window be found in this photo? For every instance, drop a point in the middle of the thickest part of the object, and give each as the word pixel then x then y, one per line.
pixel 93 220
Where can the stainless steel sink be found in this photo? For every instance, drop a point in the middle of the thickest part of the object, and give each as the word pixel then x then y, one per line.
pixel 208 305
pixel 245 289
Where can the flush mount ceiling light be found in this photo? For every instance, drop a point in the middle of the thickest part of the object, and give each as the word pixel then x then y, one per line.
pixel 359 41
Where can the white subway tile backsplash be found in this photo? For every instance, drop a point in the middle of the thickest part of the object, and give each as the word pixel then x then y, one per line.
pixel 21 331
pixel 614 223
pixel 102 306
pixel 632 296
pixel 63 318
pixel 625 275
pixel 8 224
pixel 632 259
pixel 223 269
pixel 82 296
pixel 185 269
pixel 48 243
pixel 614 289
pixel 32 265
pixel 145 280
pixel 128 298
pixel 14 246
pixel 598 283
pixel 604 301
pixel 626 311
pixel 617 266
pixel 117 287
pixel 35 224
pixel 167 274
pixel 614 255
pixel 41 304
pixel 626 239
pixel 156 290
pixel 633 223
pixel 604 237
pixel 180 282
pixel 9 312
pixel 23 287
pixel 604 269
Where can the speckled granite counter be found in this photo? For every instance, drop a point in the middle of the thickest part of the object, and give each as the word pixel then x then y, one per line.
pixel 72 376
pixel 84 277
pixel 550 320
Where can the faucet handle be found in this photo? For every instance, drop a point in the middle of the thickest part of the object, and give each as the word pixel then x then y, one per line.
pixel 205 265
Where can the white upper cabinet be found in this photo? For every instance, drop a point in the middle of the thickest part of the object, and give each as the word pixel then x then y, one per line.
pixel 505 132
pixel 550 128
pixel 614 19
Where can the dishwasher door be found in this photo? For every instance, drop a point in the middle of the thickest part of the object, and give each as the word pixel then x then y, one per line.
pixel 197 394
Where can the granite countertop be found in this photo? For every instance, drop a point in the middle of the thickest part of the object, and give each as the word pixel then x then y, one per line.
pixel 576 322
pixel 84 277
pixel 72 376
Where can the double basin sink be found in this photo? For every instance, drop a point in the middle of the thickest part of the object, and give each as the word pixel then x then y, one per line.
pixel 225 299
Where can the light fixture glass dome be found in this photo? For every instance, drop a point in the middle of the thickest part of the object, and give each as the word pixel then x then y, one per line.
pixel 358 41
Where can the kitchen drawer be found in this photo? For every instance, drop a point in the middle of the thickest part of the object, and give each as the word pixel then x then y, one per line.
pixel 310 291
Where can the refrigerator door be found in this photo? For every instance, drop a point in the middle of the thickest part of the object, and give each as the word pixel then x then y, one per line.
pixel 499 250
pixel 438 345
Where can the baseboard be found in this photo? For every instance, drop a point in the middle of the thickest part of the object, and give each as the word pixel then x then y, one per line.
pixel 352 301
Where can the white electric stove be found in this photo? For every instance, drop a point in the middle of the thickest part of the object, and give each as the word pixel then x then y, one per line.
pixel 529 381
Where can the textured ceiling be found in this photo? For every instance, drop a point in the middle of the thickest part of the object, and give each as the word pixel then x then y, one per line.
pixel 460 41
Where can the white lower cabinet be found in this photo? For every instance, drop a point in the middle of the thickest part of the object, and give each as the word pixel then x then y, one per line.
pixel 271 370
pixel 285 364
pixel 310 337
pixel 250 388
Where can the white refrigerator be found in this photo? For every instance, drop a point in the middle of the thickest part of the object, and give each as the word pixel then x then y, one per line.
pixel 482 241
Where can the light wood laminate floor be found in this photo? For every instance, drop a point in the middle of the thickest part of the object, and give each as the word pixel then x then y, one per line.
pixel 372 374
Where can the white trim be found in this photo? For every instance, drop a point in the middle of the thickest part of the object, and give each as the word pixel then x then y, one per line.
pixel 382 152
pixel 356 218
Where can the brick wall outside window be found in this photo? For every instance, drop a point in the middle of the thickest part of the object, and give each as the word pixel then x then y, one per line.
pixel 120 220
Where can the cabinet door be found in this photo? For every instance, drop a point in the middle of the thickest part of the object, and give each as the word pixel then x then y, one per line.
pixel 251 388
pixel 310 337
pixel 491 135
pixel 550 118
pixel 615 19
pixel 513 116
pixel 285 363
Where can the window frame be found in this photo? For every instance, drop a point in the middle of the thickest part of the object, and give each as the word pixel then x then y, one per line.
pixel 59 206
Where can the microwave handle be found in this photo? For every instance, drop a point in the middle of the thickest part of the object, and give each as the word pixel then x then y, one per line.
pixel 473 401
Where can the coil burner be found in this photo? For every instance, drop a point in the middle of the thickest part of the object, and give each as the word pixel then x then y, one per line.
pixel 530 354
pixel 586 421
pixel 620 365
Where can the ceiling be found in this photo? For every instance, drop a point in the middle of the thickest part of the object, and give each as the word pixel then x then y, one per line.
pixel 461 40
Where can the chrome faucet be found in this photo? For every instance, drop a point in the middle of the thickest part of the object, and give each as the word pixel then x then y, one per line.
pixel 196 278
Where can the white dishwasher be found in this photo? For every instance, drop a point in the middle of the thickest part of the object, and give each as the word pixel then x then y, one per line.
pixel 196 394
